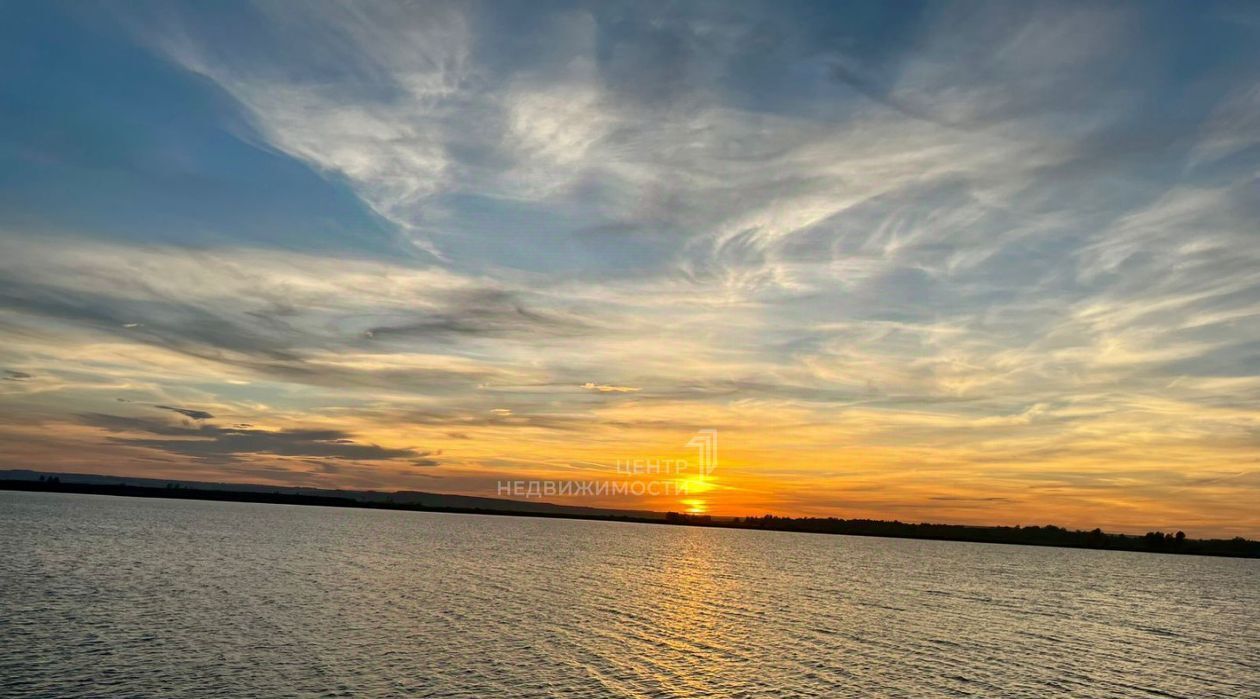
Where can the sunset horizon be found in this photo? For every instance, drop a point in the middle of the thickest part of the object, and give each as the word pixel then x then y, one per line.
pixel 650 349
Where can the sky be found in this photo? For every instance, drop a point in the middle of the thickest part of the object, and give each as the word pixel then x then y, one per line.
pixel 951 262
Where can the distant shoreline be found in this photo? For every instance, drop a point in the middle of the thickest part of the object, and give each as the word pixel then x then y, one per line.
pixel 1028 536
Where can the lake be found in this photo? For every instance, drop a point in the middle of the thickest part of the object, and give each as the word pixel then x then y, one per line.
pixel 146 597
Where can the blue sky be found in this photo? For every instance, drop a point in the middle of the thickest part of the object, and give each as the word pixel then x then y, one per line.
pixel 950 261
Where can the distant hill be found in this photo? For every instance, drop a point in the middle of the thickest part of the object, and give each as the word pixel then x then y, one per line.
pixel 399 497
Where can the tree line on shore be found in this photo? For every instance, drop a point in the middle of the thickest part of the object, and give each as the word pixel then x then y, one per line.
pixel 1049 535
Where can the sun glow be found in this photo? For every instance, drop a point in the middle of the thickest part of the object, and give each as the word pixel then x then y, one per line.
pixel 696 484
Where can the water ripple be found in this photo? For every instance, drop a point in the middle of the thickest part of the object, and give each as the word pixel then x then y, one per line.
pixel 114 596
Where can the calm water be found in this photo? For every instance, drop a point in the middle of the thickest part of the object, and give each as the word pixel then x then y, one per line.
pixel 102 596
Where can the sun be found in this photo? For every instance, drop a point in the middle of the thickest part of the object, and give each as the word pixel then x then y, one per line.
pixel 696 506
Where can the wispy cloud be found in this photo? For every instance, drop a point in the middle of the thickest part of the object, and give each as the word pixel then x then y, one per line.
pixel 605 388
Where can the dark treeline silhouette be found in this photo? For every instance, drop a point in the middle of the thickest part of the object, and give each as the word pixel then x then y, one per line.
pixel 175 491
pixel 1050 535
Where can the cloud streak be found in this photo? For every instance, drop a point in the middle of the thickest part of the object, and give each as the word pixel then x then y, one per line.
pixel 187 412
pixel 220 444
